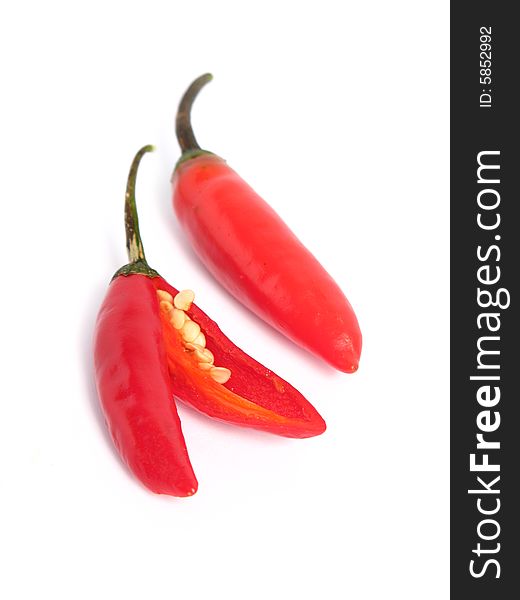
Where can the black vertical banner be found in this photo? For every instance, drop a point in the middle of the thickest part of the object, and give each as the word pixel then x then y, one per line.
pixel 485 270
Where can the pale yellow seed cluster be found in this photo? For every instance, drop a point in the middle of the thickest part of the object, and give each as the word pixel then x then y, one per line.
pixel 193 338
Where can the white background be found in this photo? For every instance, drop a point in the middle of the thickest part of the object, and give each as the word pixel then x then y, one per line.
pixel 337 113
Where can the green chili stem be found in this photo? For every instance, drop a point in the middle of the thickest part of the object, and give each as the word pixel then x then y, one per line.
pixel 183 127
pixel 134 244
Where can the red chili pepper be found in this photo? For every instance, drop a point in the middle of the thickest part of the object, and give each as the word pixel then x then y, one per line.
pixel 256 257
pixel 132 377
pixel 151 344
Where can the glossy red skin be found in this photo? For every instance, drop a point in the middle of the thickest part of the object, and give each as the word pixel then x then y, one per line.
pixel 291 414
pixel 256 257
pixel 135 390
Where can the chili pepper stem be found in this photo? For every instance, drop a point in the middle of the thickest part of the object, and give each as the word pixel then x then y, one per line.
pixel 183 129
pixel 134 244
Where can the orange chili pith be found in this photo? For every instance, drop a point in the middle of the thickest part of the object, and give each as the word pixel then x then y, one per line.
pixel 152 343
pixel 254 255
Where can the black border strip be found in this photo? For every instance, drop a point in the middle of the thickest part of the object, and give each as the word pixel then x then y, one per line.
pixel 486 126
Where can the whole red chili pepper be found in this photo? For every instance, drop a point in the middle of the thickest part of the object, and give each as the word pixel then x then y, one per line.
pixel 253 253
pixel 152 344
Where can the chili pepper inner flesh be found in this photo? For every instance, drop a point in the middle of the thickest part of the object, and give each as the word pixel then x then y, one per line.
pixel 217 378
pixel 192 339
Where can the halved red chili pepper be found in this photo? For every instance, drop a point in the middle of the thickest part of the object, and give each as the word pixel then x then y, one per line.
pixel 254 255
pixel 132 376
pixel 152 343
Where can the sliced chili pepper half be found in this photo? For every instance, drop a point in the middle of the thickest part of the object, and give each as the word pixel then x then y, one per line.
pixel 216 377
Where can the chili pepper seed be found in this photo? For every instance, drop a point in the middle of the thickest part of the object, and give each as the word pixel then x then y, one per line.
pixel 165 296
pixel 220 374
pixel 190 330
pixel 208 356
pixel 197 350
pixel 200 340
pixel 184 299
pixel 165 306
pixel 178 318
